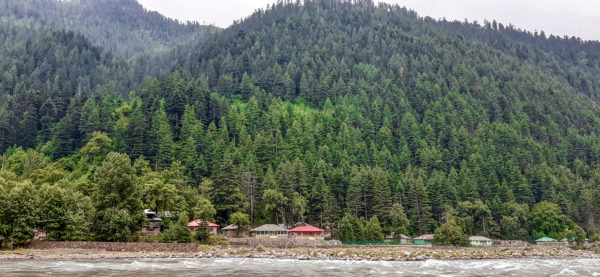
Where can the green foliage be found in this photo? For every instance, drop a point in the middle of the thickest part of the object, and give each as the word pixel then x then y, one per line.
pixel 450 233
pixel 369 111
pixel 18 211
pixel 179 231
pixel 547 220
pixel 241 220
pixel 204 210
pixel 117 198
pixel 346 232
pixel 373 230
pixel 398 219
pixel 202 232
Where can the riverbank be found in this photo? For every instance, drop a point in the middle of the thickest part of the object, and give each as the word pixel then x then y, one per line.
pixel 354 253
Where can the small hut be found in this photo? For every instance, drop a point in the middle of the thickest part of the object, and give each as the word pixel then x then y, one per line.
pixel 212 227
pixel 480 241
pixel 231 231
pixel 306 232
pixel 426 239
pixel 152 224
pixel 269 230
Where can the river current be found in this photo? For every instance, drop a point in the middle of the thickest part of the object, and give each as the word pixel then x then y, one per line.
pixel 270 267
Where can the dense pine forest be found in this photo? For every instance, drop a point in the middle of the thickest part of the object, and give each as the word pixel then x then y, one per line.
pixel 358 118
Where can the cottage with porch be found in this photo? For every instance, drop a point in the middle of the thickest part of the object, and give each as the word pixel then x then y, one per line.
pixel 480 241
pixel 212 227
pixel 306 232
pixel 269 230
pixel 426 239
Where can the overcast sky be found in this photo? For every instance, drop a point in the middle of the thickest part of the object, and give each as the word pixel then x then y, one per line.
pixel 560 17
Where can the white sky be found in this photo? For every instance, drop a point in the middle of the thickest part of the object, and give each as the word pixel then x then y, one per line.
pixel 571 17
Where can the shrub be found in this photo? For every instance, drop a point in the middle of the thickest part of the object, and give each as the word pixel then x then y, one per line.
pixel 178 232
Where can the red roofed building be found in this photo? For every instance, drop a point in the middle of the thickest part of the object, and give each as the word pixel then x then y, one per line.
pixel 212 227
pixel 306 231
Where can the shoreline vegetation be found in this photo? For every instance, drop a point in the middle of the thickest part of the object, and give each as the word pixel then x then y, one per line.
pixel 352 253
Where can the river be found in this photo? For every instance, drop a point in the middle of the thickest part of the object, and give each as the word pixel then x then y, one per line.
pixel 270 267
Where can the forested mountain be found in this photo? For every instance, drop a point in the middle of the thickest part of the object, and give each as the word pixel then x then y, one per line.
pixel 335 113
pixel 122 27
pixel 41 77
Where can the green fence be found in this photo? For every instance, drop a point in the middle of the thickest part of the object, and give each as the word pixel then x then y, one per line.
pixel 375 242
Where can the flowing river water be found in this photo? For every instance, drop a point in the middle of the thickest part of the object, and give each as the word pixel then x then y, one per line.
pixel 271 267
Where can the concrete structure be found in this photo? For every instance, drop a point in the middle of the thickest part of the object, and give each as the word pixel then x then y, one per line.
pixel 152 224
pixel 306 232
pixel 212 227
pixel 231 231
pixel 269 230
pixel 426 239
pixel 480 241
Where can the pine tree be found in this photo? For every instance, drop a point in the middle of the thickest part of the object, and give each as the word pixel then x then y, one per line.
pixel 226 194
pixel 164 140
pixel 419 206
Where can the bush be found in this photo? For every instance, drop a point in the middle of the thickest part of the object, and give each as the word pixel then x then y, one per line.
pixel 450 233
pixel 217 240
pixel 178 232
pixel 202 233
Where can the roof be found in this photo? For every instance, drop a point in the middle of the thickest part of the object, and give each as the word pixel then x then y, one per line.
pixel 545 239
pixel 148 211
pixel 392 235
pixel 198 222
pixel 425 237
pixel 230 227
pixel 479 238
pixel 306 229
pixel 269 228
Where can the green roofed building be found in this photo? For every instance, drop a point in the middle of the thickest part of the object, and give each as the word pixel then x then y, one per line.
pixel 548 241
pixel 480 241
pixel 426 239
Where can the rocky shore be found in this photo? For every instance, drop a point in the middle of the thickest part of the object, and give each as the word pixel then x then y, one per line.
pixel 355 253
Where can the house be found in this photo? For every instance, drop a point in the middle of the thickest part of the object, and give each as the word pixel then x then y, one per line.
pixel 480 241
pixel 547 241
pixel 306 232
pixel 426 239
pixel 269 230
pixel 152 224
pixel 212 227
pixel 231 231
pixel 397 238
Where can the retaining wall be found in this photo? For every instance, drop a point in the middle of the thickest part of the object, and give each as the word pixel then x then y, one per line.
pixel 115 246
pixel 284 242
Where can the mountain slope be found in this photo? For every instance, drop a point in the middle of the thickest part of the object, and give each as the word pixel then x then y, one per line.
pixel 333 111
pixel 42 76
pixel 420 88
pixel 122 27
